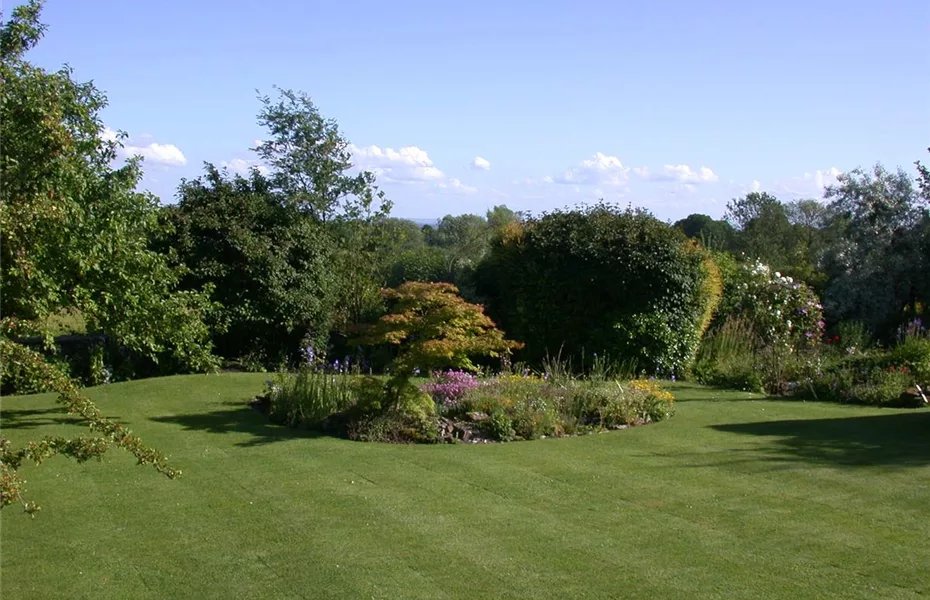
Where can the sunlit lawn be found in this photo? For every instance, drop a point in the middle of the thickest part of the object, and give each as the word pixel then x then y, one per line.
pixel 735 497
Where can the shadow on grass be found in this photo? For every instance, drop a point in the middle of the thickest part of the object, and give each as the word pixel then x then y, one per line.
pixel 39 417
pixel 685 391
pixel 899 439
pixel 238 418
pixel 34 418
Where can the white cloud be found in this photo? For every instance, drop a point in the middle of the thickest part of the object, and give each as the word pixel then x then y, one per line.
pixel 682 188
pixel 454 185
pixel 597 170
pixel 407 164
pixel 167 155
pixel 108 135
pixel 679 173
pixel 809 185
pixel 480 163
pixel 243 166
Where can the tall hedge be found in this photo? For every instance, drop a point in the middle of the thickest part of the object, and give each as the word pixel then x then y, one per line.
pixel 601 280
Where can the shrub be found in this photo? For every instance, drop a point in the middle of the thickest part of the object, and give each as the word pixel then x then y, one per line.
pixel 914 353
pixel 615 282
pixel 782 312
pixel 434 328
pixel 529 407
pixel 387 411
pixel 883 387
pixel 308 397
pixel 448 388
pixel 726 357
pixel 766 334
pixel 868 378
pixel 394 427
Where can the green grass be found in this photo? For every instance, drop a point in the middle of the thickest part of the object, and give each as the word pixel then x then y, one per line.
pixel 735 497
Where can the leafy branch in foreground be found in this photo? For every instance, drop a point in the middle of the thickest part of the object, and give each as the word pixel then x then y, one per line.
pixel 82 448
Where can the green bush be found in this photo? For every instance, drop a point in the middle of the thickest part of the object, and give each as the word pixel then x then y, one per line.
pixel 529 407
pixel 914 354
pixel 870 378
pixel 394 427
pixel 426 264
pixel 309 397
pixel 726 357
pixel 613 282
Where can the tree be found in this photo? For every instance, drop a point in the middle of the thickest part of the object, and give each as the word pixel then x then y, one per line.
pixel 435 328
pixel 310 166
pixel 764 228
pixel 266 261
pixel 75 235
pixel 810 233
pixel 310 159
pixel 876 265
pixel 923 179
pixel 463 237
pixel 713 234
pixel 73 232
pixel 600 280
pixel 500 217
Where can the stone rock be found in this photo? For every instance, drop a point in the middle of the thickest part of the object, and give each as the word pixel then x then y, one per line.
pixel 914 396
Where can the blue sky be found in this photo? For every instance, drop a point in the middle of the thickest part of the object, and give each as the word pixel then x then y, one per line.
pixel 674 106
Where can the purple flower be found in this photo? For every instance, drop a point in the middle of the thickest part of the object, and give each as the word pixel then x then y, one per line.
pixel 450 387
pixel 308 354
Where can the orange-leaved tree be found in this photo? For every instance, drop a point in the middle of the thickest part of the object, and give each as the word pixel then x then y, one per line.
pixel 435 328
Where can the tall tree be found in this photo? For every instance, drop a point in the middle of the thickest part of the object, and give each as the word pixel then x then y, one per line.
pixel 266 262
pixel 310 160
pixel 311 166
pixel 764 229
pixel 74 234
pixel 464 238
pixel 875 264
pixel 713 234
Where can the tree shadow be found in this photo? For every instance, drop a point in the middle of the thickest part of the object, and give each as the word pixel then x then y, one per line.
pixel 686 391
pixel 238 418
pixel 899 439
pixel 34 418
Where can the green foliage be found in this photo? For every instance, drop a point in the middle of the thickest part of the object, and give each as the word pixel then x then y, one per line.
pixel 877 266
pixel 913 353
pixel 463 237
pixel 34 368
pixel 854 336
pixel 782 312
pixel 615 282
pixel 499 426
pixel 727 357
pixel 860 379
pixel 765 231
pixel 768 329
pixel 528 407
pixel 266 261
pixel 73 232
pixel 395 427
pixel 310 160
pixel 309 396
pixel 427 264
pixel 713 235
pixel 393 410
pixel 435 329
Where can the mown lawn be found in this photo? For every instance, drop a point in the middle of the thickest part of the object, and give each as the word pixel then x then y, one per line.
pixel 735 497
